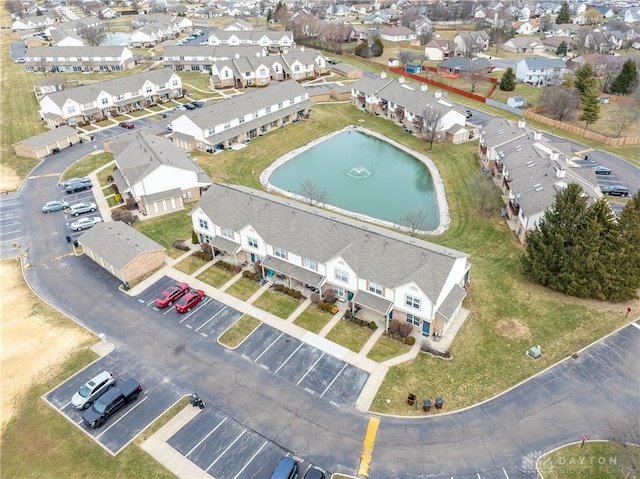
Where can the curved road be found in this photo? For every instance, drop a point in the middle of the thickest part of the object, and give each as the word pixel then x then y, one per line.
pixel 494 439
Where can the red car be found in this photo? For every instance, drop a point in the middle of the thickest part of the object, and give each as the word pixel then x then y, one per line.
pixel 189 300
pixel 169 295
pixel 127 124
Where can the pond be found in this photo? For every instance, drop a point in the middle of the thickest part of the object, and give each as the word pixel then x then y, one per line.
pixel 365 175
pixel 114 39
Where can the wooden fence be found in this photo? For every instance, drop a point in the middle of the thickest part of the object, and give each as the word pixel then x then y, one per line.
pixel 442 86
pixel 531 114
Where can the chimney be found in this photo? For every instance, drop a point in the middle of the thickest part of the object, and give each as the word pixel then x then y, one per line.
pixel 401 80
pixel 423 87
pixel 302 48
pixel 383 74
pixel 560 171
pixel 521 124
pixel 537 135
pixel 237 55
pixel 438 94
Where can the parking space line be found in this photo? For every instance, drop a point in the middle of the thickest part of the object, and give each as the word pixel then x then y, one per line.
pixel 251 459
pixel 636 325
pixel 268 347
pixel 122 417
pixel 287 360
pixel 188 315
pixel 205 438
pixel 505 473
pixel 211 318
pixel 333 380
pixel 225 451
pixel 310 368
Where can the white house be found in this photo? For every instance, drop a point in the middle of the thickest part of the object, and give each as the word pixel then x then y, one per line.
pixel 540 71
pixel 438 49
pixel 35 22
pixel 526 27
pixel 524 45
pixel 78 59
pixel 378 272
pixel 269 39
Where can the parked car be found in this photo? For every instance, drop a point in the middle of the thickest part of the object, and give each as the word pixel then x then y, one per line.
pixel 287 468
pixel 20 60
pixel 79 208
pixel 93 389
pixel 189 106
pixel 180 108
pixel 70 181
pixel 198 103
pixel 602 170
pixel 314 473
pixel 85 223
pixel 126 124
pixel 76 187
pixel 170 295
pixel 111 402
pixel 615 190
pixel 468 113
pixel 55 205
pixel 189 300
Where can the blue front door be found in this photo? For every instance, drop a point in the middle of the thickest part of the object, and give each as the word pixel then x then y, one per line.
pixel 253 258
pixel 425 328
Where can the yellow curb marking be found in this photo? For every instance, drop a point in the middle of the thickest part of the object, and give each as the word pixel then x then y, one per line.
pixel 367 446
pixel 44 176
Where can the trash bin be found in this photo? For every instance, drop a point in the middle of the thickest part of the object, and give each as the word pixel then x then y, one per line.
pixel 426 405
pixel 439 402
pixel 411 399
pixel 68 239
pixel 75 242
pixel 125 285
pixel 91 137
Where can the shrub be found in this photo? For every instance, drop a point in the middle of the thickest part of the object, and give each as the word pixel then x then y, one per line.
pixel 320 305
pixel 208 257
pixel 110 179
pixel 116 214
pixel 347 314
pixel 194 237
pixel 315 298
pixel 279 287
pixel 329 296
pixel 410 341
pixel 373 326
pixel 297 294
pixel 327 307
pixel 257 267
pixel 246 273
pixel 285 290
pixel 117 198
pixel 207 248
pixel 334 309
pixel 179 244
pixel 129 217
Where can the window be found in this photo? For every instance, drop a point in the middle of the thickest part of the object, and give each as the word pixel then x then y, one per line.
pixel 412 302
pixel 227 125
pixel 148 89
pixel 71 110
pixel 341 275
pixel 174 82
pixel 255 115
pixel 204 224
pixel 279 252
pixel 241 120
pixel 413 319
pixel 296 68
pixel 280 105
pixel 227 233
pixel 104 101
pixel 375 288
pixel 339 291
pixel 310 264
pixel 268 109
pixel 252 242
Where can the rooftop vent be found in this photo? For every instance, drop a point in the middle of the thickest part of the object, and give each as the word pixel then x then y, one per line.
pixel 537 187
pixel 501 131
pixel 529 164
pixel 518 148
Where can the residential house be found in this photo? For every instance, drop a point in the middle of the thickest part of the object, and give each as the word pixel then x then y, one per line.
pixel 421 25
pixel 470 43
pixel 406 104
pixel 84 23
pixel 47 143
pixel 524 45
pixel 577 8
pixel 465 66
pixel 551 44
pixel 630 15
pixel 378 17
pixel 153 33
pixel 238 25
pixel 529 171
pixel 201 57
pixel 525 27
pixel 34 22
pixel 361 8
pixel 540 71
pixel 439 49
pixel 156 175
pixel 398 34
pixel 606 12
pixel 61 36
pixel 177 23
pixel 272 40
pixel 95 101
pixel 122 250
pixel 564 30
pixel 78 59
pixel 408 279
pixel 241 118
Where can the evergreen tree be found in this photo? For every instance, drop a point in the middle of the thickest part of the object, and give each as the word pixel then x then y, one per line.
pixel 562 49
pixel 627 262
pixel 564 15
pixel 590 106
pixel 377 48
pixel 585 78
pixel 508 80
pixel 627 80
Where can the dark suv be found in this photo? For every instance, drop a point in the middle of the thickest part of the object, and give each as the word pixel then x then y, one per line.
pixel 111 402
pixel 615 190
pixel 75 187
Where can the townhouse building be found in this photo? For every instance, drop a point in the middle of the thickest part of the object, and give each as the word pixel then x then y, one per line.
pixel 381 273
pixel 100 100
pixel 201 57
pixel 272 40
pixel 78 59
pixel 237 120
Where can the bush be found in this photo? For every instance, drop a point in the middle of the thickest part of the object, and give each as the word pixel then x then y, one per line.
pixel 297 294
pixel 347 314
pixel 194 237
pixel 320 305
pixel 285 290
pixel 109 179
pixel 410 341
pixel 334 309
pixel 117 213
pixel 329 296
pixel 315 298
pixel 129 217
pixel 279 287
pixel 257 267
pixel 246 273
pixel 208 257
pixel 327 307
pixel 373 326
pixel 207 248
pixel 117 198
pixel 179 244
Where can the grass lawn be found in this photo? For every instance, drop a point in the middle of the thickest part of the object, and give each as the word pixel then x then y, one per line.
pixel 168 228
pixel 530 93
pixel 216 276
pixel 277 303
pixel 243 288
pixel 233 337
pixel 386 348
pixel 190 264
pixel 138 113
pixel 111 200
pixel 174 252
pixel 312 319
pixel 87 165
pixel 105 172
pixel 194 81
pixel 593 461
pixel 106 122
pixel 349 335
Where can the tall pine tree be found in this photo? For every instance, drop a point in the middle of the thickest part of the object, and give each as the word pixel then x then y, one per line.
pixel 627 262
pixel 508 80
pixel 627 80
pixel 590 106
pixel 562 49
pixel 585 78
pixel 564 15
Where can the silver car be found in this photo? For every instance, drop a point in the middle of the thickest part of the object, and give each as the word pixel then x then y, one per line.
pixel 85 223
pixel 79 208
pixel 71 181
pixel 92 390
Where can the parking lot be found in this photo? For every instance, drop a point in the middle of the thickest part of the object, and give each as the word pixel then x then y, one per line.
pixel 158 394
pixel 604 180
pixel 80 197
pixel 225 449
pixel 11 230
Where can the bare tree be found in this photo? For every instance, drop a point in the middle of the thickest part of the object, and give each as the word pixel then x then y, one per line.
pixel 482 186
pixel 405 56
pixel 559 100
pixel 624 116
pixel 545 23
pixel 91 34
pixel 474 78
pixel 314 194
pixel 625 432
pixel 432 122
pixel 425 36
pixel 470 45
pixel 13 6
pixel 415 221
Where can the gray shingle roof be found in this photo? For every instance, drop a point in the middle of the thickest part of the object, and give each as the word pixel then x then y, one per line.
pixel 80 52
pixel 118 243
pixel 49 137
pixel 212 52
pixel 385 257
pixel 533 63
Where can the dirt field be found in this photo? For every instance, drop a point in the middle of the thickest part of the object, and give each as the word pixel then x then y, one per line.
pixel 34 339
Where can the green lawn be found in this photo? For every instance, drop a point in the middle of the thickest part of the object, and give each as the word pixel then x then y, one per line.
pixel 313 319
pixel 87 165
pixel 190 264
pixel 277 303
pixel 168 228
pixel 596 460
pixel 216 276
pixel 349 335
pixel 386 348
pixel 105 172
pixel 233 337
pixel 243 288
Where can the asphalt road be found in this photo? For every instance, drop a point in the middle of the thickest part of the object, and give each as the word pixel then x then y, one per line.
pixel 490 440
